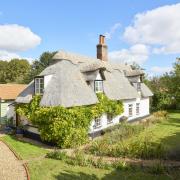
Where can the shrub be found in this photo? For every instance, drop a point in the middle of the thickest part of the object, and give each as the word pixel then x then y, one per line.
pixel 67 127
pixel 78 159
pixel 59 155
pixel 140 147
pixel 104 145
pixel 157 168
pixel 121 165
pixel 161 114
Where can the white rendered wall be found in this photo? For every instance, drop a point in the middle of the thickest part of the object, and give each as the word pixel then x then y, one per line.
pixel 104 123
pixel 47 79
pixel 143 111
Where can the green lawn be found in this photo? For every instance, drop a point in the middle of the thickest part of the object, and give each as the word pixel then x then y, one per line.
pixel 168 133
pixel 49 169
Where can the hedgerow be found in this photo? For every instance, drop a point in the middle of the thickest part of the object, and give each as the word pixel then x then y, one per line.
pixel 67 127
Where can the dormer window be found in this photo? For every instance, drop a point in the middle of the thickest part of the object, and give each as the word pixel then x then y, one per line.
pixel 39 85
pixel 138 86
pixel 98 86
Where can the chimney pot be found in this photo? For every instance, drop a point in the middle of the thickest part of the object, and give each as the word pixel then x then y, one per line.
pixel 101 39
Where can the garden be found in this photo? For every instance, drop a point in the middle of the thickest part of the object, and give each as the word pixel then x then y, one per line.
pixel 125 151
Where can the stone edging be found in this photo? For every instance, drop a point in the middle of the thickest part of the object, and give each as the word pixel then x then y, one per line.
pixel 19 158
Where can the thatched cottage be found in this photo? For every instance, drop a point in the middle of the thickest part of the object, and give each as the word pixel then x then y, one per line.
pixel 74 80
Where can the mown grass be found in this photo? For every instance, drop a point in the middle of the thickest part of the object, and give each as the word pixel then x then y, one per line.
pixel 167 132
pixel 24 149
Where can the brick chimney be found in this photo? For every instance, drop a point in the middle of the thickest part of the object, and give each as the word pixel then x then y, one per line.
pixel 102 49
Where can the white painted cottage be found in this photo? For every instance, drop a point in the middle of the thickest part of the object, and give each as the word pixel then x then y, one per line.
pixel 73 80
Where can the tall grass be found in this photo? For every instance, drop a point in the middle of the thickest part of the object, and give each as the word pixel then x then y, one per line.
pixel 125 141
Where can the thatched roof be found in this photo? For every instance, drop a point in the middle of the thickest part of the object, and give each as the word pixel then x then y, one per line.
pixel 26 95
pixel 145 90
pixel 136 72
pixel 68 86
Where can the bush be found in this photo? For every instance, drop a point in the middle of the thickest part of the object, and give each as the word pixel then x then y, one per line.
pixel 121 165
pixel 67 127
pixel 104 145
pixel 161 114
pixel 140 147
pixel 157 169
pixel 59 155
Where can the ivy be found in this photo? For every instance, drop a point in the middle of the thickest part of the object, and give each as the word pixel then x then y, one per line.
pixel 67 127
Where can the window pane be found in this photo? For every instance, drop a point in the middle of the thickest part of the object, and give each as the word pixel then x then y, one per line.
pixel 37 80
pixel 42 80
pixel 39 85
pixel 98 86
pixel 130 106
pixel 97 123
pixel 137 108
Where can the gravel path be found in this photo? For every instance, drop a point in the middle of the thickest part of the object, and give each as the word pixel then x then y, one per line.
pixel 10 167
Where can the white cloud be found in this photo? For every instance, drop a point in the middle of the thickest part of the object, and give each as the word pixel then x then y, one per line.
pixel 158 27
pixel 14 38
pixel 160 70
pixel 137 53
pixel 112 30
pixel 7 56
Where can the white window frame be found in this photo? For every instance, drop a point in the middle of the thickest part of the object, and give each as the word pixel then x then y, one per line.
pixel 137 108
pixel 39 85
pixel 97 123
pixel 98 86
pixel 109 118
pixel 130 110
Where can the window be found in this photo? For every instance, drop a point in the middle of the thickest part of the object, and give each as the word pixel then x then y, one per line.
pixel 39 85
pixel 137 108
pixel 130 107
pixel 97 123
pixel 109 118
pixel 138 86
pixel 98 86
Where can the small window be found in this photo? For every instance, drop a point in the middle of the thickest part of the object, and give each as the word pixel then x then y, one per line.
pixel 138 86
pixel 98 86
pixel 97 123
pixel 137 108
pixel 39 85
pixel 109 118
pixel 130 107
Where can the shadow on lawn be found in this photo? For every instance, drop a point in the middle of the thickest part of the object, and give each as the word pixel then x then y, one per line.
pixel 70 175
pixel 172 143
pixel 31 142
pixel 117 175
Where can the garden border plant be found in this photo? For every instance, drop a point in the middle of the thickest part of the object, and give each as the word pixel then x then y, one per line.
pixel 59 124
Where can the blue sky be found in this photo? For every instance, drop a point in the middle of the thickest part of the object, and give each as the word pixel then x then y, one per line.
pixel 28 28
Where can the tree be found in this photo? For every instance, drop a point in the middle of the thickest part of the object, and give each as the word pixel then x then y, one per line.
pixel 16 71
pixel 3 66
pixel 166 89
pixel 39 65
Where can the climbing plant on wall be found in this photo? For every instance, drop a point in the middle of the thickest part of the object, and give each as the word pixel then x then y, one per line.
pixel 67 127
